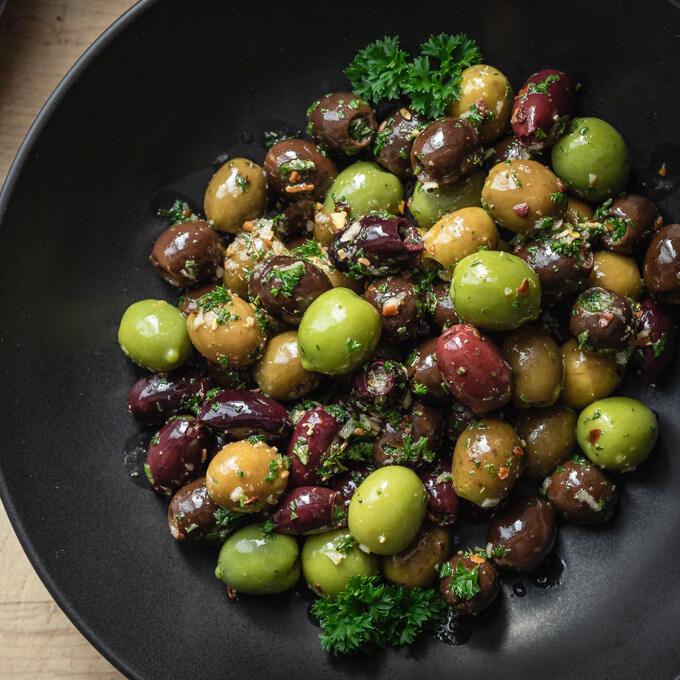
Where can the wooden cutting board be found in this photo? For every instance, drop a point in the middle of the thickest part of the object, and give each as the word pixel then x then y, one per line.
pixel 39 41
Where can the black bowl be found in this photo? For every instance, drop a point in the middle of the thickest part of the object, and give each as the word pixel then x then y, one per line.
pixel 141 119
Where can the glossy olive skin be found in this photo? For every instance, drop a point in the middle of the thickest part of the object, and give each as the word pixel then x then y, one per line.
pixel 630 221
pixel 581 492
pixel 394 141
pixel 297 170
pixel 542 107
pixel 309 510
pixel 444 315
pixel 495 290
pixel 346 483
pixel 592 159
pixel 662 265
pixel 658 333
pixel 474 369
pixel 521 534
pixel 399 304
pixel 486 462
pixel 236 193
pixel 549 436
pixel 380 384
pixel 442 504
pixel 617 433
pixel 519 195
pixel 176 454
pixel 536 364
pixel 284 286
pixel 156 397
pixel 605 317
pixel 424 375
pixel 578 211
pixel 231 378
pixel 417 566
pixel 251 564
pixel 446 151
pixel 508 148
pixel 187 254
pixel 342 122
pixel 587 375
pixel 617 273
pixel 457 418
pixel 487 581
pixel 187 302
pixel 297 220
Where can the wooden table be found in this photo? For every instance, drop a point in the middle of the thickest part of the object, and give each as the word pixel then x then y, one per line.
pixel 39 41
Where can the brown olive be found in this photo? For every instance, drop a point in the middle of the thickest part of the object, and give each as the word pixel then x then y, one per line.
pixel 630 221
pixel 296 169
pixel 662 265
pixel 469 567
pixel 444 315
pixel 577 211
pixel 296 222
pixel 617 273
pixel 456 419
pixel 394 140
pixel 187 301
pixel 509 147
pixel 424 376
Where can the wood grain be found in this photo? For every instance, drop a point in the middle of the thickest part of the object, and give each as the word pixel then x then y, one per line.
pixel 39 41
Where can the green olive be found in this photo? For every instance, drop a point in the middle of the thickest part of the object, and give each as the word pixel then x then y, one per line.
pixel 387 510
pixel 153 334
pixel 617 433
pixel 428 205
pixel 495 290
pixel 592 159
pixel 236 193
pixel 329 560
pixel 365 186
pixel 338 332
pixel 616 272
pixel 253 564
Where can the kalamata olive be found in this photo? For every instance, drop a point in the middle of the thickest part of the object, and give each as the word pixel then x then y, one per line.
pixel 284 286
pixel 629 222
pixel 176 454
pixel 297 221
pixel 474 369
pixel 662 265
pixel 398 301
pixel 312 443
pixel 562 265
pixel 375 245
pixel 156 397
pixel 394 141
pixel 187 302
pixel 342 122
pixel 381 384
pixel 655 342
pixel 444 315
pixel 310 510
pixel 542 108
pixel 603 320
pixel 521 534
pixel 231 378
pixel 296 169
pixel 445 152
pixel 346 483
pixel 458 417
pixel 243 413
pixel 424 375
pixel 469 583
pixel 581 492
pixel 508 148
pixel 442 506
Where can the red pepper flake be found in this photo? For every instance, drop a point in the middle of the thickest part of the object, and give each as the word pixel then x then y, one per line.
pixel 232 593
pixel 524 288
pixel 658 223
pixel 299 187
pixel 482 107
pixel 594 435
pixel 605 319
pixel 295 176
pixel 477 559
pixel 662 170
pixel 503 473
pixel 521 209
pixel 518 451
pixel 643 341
pixel 186 213
pixel 560 185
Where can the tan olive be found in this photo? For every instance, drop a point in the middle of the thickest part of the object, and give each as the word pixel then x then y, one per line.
pixel 459 234
pixel 587 376
pixel 279 373
pixel 486 93
pixel 326 224
pixel 229 334
pixel 250 246
pixel 486 462
pixel 522 195
pixel 247 477
pixel 418 564
pixel 236 193
pixel 549 436
pixel 337 278
pixel 617 273
pixel 536 365
pixel 577 211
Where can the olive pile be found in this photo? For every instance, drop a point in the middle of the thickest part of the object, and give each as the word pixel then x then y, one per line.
pixel 388 324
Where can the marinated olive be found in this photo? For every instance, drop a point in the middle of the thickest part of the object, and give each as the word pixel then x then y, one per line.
pixel 656 339
pixel 253 564
pixel 629 222
pixel 188 301
pixel 617 273
pixel 442 504
pixel 247 476
pixel 380 384
pixel 297 220
pixel 469 584
pixel 346 483
pixel 577 211
pixel 617 433
pixel 458 417
pixel 387 510
pixel 153 334
pixel 399 305
pixel 592 159
pixel 444 315
pixel 394 140
pixel 508 148
pixel 486 462
pixel 424 375
pixel 236 193
pixel 662 265
pixel 309 510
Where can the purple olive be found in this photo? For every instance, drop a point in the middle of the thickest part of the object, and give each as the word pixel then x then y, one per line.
pixel 348 482
pixel 442 506
pixel 375 246
pixel 242 413
pixel 154 398
pixel 542 108
pixel 381 383
pixel 311 443
pixel 310 510
pixel 176 454
pixel 655 342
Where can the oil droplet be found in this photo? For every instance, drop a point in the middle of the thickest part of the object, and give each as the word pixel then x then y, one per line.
pixel 519 589
pixel 456 630
pixel 549 574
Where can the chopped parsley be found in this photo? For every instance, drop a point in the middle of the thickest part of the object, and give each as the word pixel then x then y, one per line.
pixel 464 584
